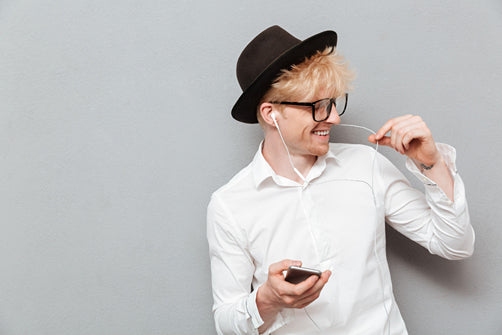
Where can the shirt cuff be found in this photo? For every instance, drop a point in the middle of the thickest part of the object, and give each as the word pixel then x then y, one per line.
pixel 252 310
pixel 282 318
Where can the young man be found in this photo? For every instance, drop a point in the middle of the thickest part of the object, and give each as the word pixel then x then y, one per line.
pixel 304 201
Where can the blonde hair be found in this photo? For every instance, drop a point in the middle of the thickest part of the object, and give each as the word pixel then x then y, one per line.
pixel 327 72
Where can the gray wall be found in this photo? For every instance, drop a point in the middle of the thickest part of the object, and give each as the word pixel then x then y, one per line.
pixel 115 130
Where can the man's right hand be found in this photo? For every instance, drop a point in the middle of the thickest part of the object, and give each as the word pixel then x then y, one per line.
pixel 276 293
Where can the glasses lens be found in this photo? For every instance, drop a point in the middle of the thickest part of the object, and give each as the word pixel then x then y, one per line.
pixel 322 109
pixel 341 104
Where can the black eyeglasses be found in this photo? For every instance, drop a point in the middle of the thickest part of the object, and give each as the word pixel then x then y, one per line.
pixel 321 109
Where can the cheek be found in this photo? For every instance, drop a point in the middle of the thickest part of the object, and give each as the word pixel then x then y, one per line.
pixel 306 133
pixel 297 126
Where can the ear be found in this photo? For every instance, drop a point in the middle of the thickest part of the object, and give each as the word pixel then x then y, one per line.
pixel 266 110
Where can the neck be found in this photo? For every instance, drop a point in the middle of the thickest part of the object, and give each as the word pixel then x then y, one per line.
pixel 276 155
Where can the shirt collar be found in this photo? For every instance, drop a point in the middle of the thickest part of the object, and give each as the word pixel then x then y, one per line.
pixel 263 171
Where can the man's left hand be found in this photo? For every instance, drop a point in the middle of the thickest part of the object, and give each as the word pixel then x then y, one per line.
pixel 410 136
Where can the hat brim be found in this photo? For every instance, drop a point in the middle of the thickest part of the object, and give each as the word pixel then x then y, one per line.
pixel 244 109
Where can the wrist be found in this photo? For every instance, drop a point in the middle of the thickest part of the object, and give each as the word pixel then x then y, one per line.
pixel 427 164
pixel 424 168
pixel 266 306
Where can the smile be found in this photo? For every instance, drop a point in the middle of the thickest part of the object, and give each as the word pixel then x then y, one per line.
pixel 321 132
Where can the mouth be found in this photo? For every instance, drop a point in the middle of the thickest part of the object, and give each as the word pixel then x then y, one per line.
pixel 321 132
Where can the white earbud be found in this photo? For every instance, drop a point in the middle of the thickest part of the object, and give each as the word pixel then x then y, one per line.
pixel 272 115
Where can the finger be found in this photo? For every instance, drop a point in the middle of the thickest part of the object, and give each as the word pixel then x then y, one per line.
pixel 372 139
pixel 402 134
pixel 313 293
pixel 397 132
pixel 320 283
pixel 389 124
pixel 413 134
pixel 403 129
pixel 396 139
pixel 300 301
pixel 393 140
pixel 408 125
pixel 303 302
pixel 415 129
pixel 306 285
pixel 383 141
pixel 397 125
pixel 292 291
pixel 418 131
pixel 279 267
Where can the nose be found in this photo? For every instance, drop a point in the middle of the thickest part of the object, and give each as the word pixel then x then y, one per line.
pixel 333 118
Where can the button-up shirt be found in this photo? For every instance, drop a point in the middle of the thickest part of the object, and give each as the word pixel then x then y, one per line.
pixel 335 220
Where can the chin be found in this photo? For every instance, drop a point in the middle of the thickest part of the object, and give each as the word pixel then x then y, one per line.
pixel 320 150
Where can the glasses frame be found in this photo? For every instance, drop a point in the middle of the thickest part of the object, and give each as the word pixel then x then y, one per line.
pixel 312 105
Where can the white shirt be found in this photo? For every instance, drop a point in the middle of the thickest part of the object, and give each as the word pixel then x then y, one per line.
pixel 336 221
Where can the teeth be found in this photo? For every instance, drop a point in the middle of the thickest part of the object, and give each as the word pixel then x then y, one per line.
pixel 322 133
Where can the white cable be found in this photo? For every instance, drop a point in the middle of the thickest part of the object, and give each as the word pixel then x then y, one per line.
pixel 374 201
pixel 374 239
pixel 305 310
pixel 304 180
pixel 289 156
pixel 374 156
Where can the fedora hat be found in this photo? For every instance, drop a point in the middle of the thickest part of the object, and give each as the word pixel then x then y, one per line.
pixel 262 60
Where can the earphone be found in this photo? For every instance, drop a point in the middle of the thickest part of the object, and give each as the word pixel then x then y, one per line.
pixel 272 115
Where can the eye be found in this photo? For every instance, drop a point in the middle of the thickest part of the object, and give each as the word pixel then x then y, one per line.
pixel 322 109
pixel 322 104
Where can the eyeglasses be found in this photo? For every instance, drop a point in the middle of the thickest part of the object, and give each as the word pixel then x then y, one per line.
pixel 321 109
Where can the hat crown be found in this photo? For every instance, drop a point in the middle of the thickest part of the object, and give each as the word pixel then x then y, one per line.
pixel 261 52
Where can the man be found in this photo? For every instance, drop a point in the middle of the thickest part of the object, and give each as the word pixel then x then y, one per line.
pixel 304 201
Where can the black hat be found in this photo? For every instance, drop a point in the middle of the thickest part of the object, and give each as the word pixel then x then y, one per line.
pixel 262 60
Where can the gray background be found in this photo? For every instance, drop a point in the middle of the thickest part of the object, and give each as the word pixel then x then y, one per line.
pixel 115 130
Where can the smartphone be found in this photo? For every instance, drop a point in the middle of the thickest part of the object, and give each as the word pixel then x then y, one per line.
pixel 297 274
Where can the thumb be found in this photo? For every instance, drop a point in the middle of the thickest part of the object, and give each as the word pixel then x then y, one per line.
pixel 277 268
pixel 383 141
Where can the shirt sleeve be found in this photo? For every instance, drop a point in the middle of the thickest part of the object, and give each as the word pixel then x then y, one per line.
pixel 232 269
pixel 432 220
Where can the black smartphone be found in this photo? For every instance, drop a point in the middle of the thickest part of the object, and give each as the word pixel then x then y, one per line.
pixel 297 274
